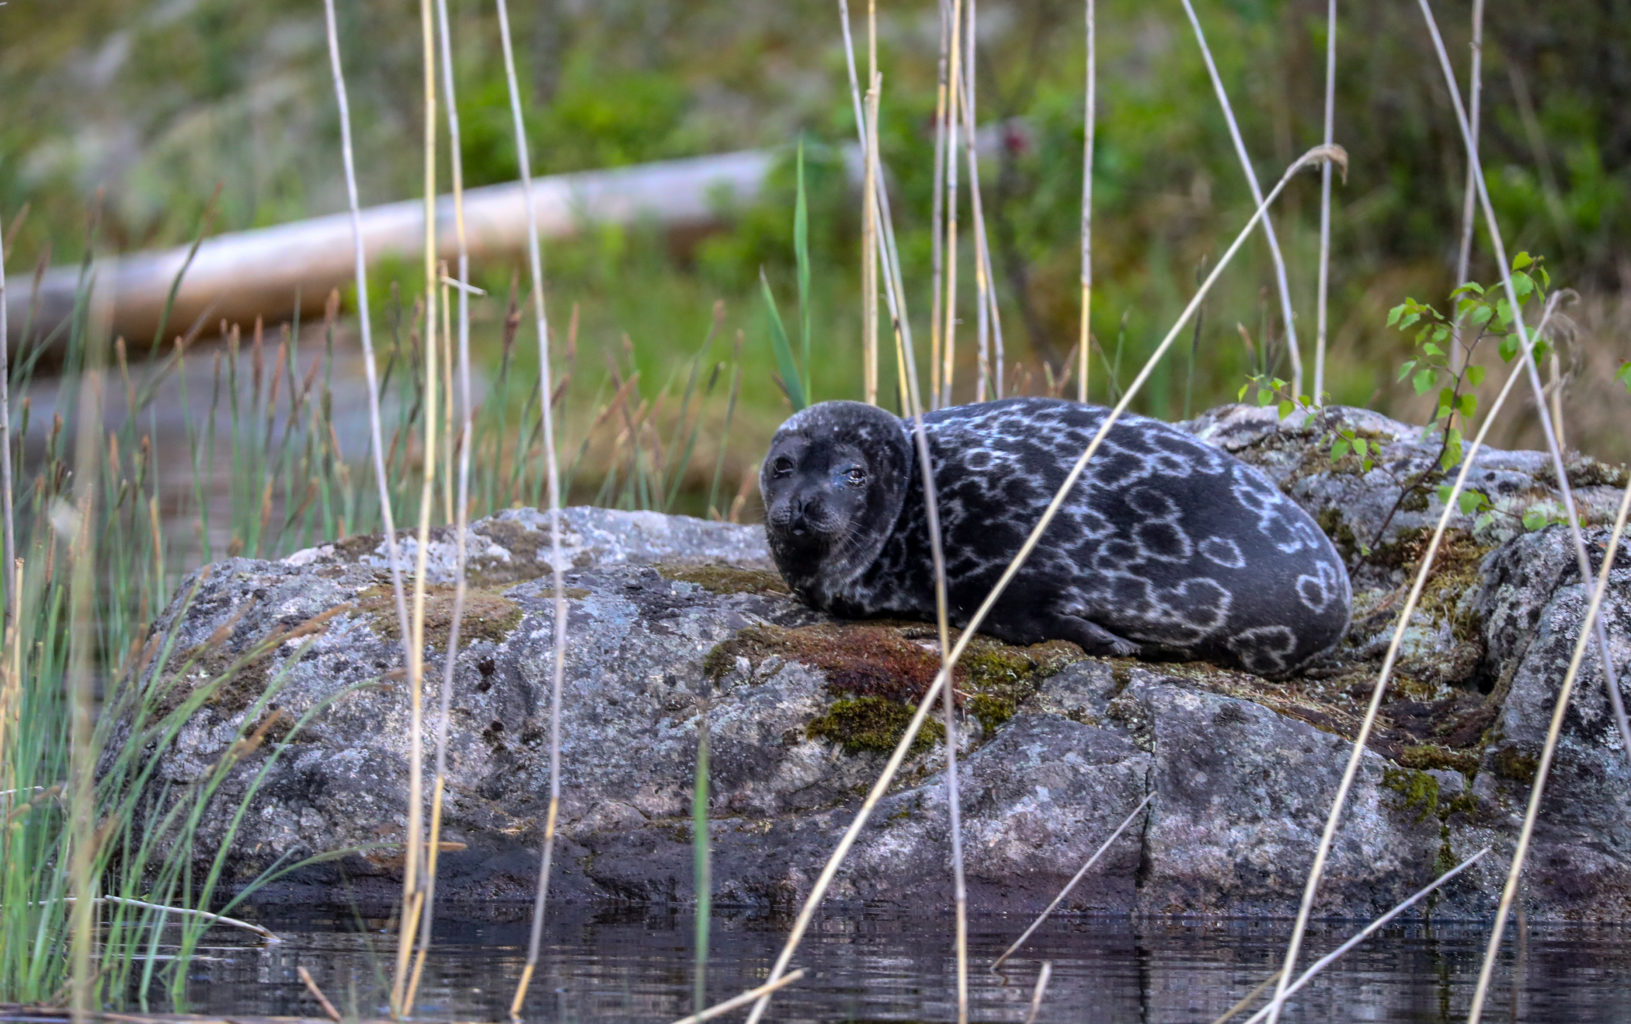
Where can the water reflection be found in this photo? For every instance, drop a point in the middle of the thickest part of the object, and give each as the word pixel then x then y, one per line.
pixel 637 965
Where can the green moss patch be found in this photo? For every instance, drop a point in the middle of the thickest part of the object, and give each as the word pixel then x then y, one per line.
pixel 872 725
pixel 727 579
pixel 892 660
pixel 1419 789
pixel 871 665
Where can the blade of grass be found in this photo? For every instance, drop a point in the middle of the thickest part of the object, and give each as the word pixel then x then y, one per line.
pixel 80 680
pixel 376 433
pixel 781 346
pixel 894 290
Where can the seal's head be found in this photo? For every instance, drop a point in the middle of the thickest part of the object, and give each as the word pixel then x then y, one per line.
pixel 833 484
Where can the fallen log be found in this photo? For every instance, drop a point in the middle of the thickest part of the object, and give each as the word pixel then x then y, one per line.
pixel 267 271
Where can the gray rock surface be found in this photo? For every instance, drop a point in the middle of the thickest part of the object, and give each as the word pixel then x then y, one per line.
pixel 677 626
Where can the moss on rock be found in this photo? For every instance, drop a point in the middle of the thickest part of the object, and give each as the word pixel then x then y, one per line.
pixel 895 663
pixel 720 578
pixel 872 725
pixel 1419 789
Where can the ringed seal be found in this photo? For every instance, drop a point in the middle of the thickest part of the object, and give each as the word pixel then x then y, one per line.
pixel 1165 547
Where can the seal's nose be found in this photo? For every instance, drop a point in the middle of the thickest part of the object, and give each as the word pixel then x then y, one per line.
pixel 803 507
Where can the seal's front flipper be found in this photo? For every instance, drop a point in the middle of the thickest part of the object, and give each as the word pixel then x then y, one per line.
pixel 1034 625
pixel 1091 637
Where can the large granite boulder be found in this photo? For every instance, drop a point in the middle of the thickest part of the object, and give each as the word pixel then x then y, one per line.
pixel 289 674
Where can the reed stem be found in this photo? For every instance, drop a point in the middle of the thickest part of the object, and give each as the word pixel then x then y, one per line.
pixel 552 482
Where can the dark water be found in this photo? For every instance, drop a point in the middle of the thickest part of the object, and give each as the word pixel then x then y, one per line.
pixel 638 966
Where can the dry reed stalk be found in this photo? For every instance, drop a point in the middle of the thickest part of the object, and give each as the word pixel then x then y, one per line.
pixel 376 431
pixel 1039 991
pixel 445 413
pixel 954 99
pixel 413 882
pixel 317 994
pixel 914 409
pixel 1257 197
pixel 462 501
pixel 1089 118
pixel 869 254
pixel 913 396
pixel 1370 929
pixel 1553 445
pixel 1011 950
pixel 553 488
pixel 1325 204
pixel 1553 731
pixel 8 546
pixel 1475 88
pixel 11 684
pixel 1469 202
pixel 77 524
pixel 869 216
pixel 270 936
pixel 986 299
pixel 738 1001
pixel 893 289
pixel 937 216
pixel 1351 771
pixel 898 756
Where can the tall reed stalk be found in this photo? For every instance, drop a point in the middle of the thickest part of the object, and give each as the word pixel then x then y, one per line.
pixel 1325 204
pixel 553 486
pixel 461 507
pixel 947 361
pixel 8 530
pixel 1089 126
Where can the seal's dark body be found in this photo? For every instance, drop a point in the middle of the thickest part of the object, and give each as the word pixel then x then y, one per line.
pixel 1165 545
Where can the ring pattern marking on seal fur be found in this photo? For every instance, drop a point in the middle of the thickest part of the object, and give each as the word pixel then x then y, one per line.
pixel 1166 546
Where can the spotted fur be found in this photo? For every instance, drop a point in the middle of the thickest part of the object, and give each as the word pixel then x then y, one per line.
pixel 1166 546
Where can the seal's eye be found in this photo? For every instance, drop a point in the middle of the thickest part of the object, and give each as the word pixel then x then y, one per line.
pixel 855 475
pixel 782 466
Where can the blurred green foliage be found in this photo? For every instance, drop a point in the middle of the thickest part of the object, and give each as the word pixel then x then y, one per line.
pixel 157 103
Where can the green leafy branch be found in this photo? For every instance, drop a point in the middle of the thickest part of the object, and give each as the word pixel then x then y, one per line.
pixel 1476 315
